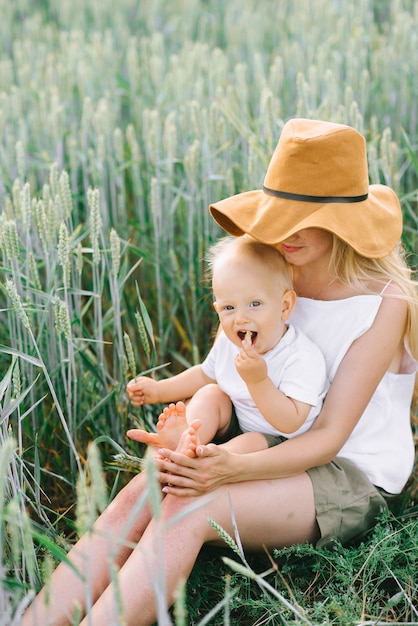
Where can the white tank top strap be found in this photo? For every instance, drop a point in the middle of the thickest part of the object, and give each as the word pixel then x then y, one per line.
pixel 385 287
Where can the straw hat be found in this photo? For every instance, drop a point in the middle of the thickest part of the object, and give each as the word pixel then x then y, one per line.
pixel 317 177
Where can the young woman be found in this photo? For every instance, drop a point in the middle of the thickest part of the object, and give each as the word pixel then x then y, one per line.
pixel 358 303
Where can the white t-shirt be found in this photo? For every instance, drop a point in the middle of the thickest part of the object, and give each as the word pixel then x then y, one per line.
pixel 382 443
pixel 295 365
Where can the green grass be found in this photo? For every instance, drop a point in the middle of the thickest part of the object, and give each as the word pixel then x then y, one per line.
pixel 372 582
pixel 119 125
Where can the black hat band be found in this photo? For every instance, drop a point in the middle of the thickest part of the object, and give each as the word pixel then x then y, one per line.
pixel 322 199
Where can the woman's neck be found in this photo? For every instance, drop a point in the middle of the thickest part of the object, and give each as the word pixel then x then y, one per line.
pixel 311 281
pixel 318 283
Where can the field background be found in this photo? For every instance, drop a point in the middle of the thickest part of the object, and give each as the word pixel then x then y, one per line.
pixel 120 122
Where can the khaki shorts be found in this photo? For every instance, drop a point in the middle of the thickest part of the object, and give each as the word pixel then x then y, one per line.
pixel 347 504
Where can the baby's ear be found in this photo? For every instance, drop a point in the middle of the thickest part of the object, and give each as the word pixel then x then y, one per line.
pixel 215 306
pixel 288 303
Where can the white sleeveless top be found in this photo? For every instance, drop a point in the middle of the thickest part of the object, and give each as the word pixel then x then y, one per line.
pixel 382 442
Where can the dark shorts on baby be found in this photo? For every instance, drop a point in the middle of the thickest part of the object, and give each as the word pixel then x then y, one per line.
pixel 347 504
pixel 234 430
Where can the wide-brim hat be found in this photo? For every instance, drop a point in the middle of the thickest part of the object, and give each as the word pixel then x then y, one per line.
pixel 317 177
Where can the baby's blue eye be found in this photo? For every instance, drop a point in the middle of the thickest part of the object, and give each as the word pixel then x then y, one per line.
pixel 228 307
pixel 255 303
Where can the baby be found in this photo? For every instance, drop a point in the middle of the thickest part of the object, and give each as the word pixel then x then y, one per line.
pixel 263 381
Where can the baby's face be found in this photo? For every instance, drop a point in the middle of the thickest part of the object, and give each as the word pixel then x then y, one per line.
pixel 249 298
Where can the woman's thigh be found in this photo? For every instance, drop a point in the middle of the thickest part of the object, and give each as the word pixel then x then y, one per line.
pixel 274 513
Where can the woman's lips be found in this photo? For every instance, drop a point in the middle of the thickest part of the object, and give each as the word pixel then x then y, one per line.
pixel 290 248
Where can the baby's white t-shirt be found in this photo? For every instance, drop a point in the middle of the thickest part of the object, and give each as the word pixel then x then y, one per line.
pixel 295 365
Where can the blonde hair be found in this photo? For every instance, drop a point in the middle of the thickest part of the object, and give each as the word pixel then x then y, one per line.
pixel 357 271
pixel 246 246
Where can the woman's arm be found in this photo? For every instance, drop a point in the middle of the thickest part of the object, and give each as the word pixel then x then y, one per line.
pixel 358 375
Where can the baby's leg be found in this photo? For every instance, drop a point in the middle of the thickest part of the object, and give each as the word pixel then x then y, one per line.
pixel 213 408
pixel 209 404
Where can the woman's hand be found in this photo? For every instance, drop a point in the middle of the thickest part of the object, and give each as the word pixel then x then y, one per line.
pixel 185 476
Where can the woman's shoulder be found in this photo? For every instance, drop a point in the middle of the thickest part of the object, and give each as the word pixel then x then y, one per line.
pixel 388 287
pixel 376 287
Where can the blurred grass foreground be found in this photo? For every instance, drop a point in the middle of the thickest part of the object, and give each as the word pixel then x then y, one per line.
pixel 120 123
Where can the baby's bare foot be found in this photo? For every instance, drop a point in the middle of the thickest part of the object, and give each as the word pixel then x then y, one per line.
pixel 170 426
pixel 151 439
pixel 189 440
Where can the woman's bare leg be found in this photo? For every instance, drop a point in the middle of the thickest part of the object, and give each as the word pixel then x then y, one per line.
pixel 174 547
pixel 111 542
pixel 209 404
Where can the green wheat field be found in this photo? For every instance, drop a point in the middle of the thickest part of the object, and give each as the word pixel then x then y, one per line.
pixel 120 122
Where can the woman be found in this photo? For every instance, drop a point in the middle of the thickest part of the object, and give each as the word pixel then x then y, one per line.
pixel 358 303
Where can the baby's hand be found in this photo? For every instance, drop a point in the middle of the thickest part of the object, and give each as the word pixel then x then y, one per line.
pixel 142 390
pixel 247 343
pixel 250 365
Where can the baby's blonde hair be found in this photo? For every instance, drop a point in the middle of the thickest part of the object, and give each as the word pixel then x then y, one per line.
pixel 237 247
